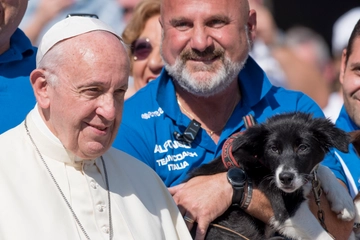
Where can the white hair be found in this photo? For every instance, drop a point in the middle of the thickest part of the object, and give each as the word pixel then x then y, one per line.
pixel 52 62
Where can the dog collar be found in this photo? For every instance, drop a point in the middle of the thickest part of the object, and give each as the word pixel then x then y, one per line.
pixel 227 154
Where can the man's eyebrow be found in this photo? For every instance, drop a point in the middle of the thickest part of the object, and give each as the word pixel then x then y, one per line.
pixel 90 84
pixel 176 21
pixel 219 17
pixel 354 65
pixel 99 84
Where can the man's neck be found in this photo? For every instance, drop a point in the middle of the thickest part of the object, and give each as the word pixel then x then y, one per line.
pixel 212 112
pixel 4 46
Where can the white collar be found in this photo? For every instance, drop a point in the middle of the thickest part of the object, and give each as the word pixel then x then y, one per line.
pixel 54 143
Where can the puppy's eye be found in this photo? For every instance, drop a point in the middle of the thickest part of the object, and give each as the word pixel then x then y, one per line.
pixel 274 149
pixel 302 148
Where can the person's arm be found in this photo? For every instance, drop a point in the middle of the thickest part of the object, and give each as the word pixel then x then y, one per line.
pixel 338 228
pixel 44 13
pixel 204 198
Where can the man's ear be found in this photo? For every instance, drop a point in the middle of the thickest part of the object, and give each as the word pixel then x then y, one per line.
pixel 40 87
pixel 161 24
pixel 252 140
pixel 252 25
pixel 342 66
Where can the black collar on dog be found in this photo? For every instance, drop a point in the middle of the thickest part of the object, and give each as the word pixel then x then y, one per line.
pixel 226 155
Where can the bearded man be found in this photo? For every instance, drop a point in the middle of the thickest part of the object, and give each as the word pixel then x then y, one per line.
pixel 182 119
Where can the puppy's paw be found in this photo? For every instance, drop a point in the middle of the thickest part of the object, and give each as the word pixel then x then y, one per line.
pixel 340 200
pixel 345 214
pixel 357 217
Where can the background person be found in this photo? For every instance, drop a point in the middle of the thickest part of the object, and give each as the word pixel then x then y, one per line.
pixel 341 32
pixel 314 57
pixel 209 78
pixel 143 34
pixel 284 66
pixel 42 14
pixel 346 166
pixel 127 8
pixel 17 60
pixel 59 177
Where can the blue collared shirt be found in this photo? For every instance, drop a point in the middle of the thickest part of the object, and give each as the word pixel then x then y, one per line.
pixel 16 94
pixel 152 115
pixel 346 166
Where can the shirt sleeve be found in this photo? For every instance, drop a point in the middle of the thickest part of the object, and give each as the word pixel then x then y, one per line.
pixel 306 104
pixel 331 161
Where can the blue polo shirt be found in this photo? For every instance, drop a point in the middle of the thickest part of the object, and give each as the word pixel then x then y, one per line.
pixel 346 166
pixel 16 94
pixel 152 115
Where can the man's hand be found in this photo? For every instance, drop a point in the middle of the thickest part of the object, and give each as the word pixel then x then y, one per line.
pixel 337 194
pixel 340 229
pixel 203 199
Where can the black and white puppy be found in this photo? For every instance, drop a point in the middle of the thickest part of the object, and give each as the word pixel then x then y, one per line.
pixel 279 156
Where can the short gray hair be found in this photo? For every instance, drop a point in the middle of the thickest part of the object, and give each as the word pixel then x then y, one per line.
pixel 51 63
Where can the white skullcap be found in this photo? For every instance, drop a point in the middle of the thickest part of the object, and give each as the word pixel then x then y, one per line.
pixel 342 30
pixel 68 28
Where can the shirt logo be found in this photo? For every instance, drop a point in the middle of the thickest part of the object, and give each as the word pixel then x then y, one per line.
pixel 148 115
pixel 169 144
pixel 174 161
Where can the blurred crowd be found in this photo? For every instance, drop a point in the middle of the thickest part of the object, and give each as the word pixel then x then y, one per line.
pixel 298 58
pixel 41 14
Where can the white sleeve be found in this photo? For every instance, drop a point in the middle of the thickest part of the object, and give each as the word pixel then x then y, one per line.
pixel 352 186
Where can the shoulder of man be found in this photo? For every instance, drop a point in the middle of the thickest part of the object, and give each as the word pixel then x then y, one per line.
pixel 142 104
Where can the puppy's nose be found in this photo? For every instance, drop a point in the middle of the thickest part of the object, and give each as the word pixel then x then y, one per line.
pixel 286 177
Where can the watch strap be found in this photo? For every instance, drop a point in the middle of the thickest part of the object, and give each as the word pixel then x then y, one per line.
pixel 238 196
pixel 247 196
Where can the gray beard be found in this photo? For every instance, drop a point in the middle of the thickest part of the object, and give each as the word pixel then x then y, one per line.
pixel 215 82
pixel 209 85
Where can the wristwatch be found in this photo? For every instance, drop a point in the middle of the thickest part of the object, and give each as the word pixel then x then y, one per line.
pixel 237 178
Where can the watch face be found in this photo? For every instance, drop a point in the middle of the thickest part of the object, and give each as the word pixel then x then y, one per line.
pixel 237 176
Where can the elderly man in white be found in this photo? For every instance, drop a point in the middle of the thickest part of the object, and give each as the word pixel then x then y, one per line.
pixel 59 178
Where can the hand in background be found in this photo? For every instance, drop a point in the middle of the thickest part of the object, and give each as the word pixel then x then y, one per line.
pixel 44 13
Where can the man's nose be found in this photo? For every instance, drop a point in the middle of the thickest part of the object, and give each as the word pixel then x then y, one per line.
pixel 200 39
pixel 107 107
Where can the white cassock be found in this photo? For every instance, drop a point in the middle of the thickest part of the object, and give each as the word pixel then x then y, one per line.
pixel 31 206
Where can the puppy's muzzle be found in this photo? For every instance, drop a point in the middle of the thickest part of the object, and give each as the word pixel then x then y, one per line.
pixel 287 178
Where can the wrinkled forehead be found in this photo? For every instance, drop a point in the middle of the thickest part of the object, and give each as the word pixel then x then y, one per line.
pixel 89 59
pixel 174 6
pixel 202 11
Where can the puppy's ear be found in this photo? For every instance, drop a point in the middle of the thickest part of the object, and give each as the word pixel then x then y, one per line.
pixel 251 141
pixel 355 140
pixel 330 136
